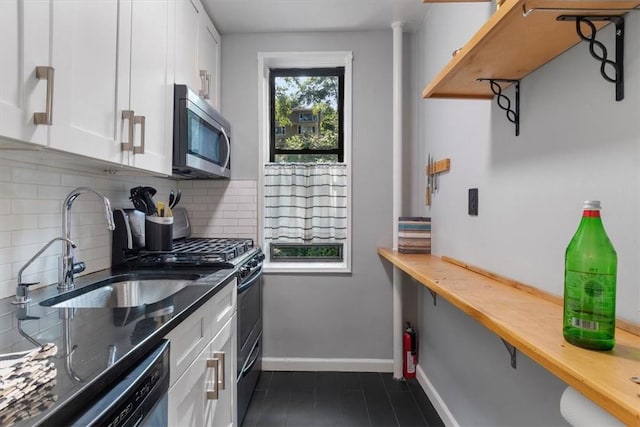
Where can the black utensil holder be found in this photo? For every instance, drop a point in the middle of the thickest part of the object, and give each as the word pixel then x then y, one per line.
pixel 158 233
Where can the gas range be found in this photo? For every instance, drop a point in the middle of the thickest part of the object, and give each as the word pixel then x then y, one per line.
pixel 194 252
pixel 130 252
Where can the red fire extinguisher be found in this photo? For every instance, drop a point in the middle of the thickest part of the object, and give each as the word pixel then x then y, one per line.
pixel 410 351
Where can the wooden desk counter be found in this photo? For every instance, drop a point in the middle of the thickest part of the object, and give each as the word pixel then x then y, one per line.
pixel 532 322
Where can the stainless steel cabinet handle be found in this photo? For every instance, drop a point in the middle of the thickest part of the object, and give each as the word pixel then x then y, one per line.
pixel 212 394
pixel 220 356
pixel 46 118
pixel 140 120
pixel 128 115
pixel 204 90
pixel 208 80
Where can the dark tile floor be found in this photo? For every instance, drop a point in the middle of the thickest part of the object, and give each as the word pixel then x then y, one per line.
pixel 346 399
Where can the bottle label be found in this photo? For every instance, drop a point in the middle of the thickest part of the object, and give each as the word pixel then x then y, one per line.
pixel 590 300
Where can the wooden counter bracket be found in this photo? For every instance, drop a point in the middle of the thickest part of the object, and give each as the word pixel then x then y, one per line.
pixel 601 53
pixel 512 352
pixel 513 115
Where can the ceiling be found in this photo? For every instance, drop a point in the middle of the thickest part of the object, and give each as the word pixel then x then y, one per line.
pixel 252 16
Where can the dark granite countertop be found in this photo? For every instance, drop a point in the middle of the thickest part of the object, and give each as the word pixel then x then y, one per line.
pixel 94 345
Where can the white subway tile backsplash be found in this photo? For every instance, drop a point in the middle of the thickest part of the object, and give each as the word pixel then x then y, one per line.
pixel 5 240
pixel 34 206
pixel 13 190
pixel 35 175
pixel 33 235
pixel 30 215
pixel 73 181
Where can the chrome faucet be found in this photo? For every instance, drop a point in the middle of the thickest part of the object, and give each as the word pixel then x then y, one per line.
pixel 22 290
pixel 68 267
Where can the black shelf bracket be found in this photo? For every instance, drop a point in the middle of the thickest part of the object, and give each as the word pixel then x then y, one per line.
pixel 599 51
pixel 513 114
pixel 433 295
pixel 512 352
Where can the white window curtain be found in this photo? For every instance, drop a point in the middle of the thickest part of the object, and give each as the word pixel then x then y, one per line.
pixel 305 203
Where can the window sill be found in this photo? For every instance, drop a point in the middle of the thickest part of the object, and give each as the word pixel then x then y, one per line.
pixel 306 267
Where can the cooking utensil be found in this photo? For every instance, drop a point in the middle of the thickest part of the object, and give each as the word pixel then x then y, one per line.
pixel 147 194
pixel 137 200
pixel 177 200
pixel 142 199
pixel 171 199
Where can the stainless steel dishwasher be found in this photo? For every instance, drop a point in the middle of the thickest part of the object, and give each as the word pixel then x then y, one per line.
pixel 139 398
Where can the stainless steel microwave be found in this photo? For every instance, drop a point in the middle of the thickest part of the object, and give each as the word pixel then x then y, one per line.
pixel 201 137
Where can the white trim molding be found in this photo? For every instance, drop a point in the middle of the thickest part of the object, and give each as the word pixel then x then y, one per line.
pixel 332 365
pixel 435 398
pixel 320 59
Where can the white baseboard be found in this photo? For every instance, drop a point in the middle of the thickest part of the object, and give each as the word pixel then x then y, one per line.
pixel 436 400
pixel 317 364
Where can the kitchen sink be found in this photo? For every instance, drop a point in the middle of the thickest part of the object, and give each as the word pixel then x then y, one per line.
pixel 127 290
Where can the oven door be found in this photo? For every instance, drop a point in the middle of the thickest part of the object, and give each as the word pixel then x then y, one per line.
pixel 249 360
pixel 249 316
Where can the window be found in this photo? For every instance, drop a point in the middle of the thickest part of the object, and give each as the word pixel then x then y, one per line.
pixel 307 117
pixel 306 130
pixel 305 188
pixel 306 95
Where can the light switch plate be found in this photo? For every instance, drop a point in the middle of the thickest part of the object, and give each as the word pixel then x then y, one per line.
pixel 473 201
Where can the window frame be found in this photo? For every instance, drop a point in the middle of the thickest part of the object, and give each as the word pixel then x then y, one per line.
pixel 303 60
pixel 298 72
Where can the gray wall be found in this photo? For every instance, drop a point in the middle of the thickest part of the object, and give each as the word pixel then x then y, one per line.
pixel 576 143
pixel 326 316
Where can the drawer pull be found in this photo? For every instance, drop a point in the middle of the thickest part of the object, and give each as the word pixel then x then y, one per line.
pixel 212 394
pixel 220 356
pixel 140 120
pixel 46 118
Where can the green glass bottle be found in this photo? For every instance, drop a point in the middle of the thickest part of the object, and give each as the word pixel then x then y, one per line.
pixel 590 284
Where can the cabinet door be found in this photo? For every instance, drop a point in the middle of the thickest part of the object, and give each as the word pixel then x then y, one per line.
pixel 151 84
pixel 220 412
pixel 84 53
pixel 187 396
pixel 187 30
pixel 24 45
pixel 192 399
pixel 209 59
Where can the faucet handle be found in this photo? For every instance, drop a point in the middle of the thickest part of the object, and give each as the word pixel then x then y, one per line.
pixel 79 267
pixel 22 293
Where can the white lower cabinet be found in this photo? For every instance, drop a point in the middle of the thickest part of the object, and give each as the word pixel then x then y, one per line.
pixel 202 389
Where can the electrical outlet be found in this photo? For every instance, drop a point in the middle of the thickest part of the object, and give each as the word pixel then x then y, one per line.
pixel 473 201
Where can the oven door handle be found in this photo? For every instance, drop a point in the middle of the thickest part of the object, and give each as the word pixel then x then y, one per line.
pixel 249 365
pixel 254 278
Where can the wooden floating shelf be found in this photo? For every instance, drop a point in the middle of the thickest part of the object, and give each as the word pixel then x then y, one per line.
pixel 517 39
pixel 531 320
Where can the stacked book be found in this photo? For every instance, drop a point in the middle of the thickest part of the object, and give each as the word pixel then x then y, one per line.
pixel 414 235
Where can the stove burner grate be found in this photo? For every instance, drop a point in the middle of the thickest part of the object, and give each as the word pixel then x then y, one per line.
pixel 196 251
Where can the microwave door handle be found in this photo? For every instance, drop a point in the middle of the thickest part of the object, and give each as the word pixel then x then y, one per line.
pixel 226 163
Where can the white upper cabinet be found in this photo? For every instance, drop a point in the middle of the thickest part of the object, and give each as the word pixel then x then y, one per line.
pixel 83 66
pixel 198 51
pixel 24 45
pixel 209 61
pixel 145 83
pixel 84 46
